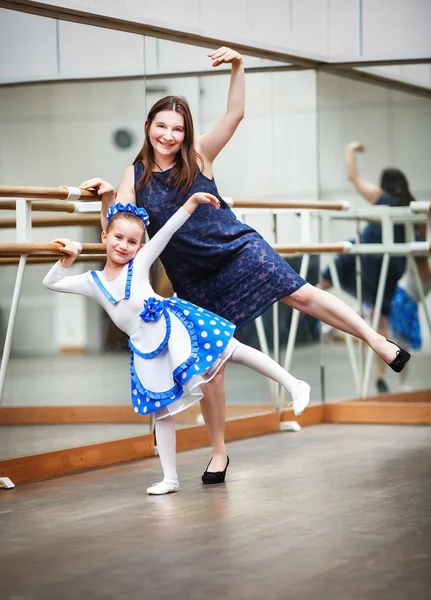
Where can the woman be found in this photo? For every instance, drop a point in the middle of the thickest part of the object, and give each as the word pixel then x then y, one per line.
pixel 210 260
pixel 392 191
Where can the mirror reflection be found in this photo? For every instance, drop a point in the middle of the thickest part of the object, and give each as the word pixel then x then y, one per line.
pixel 78 112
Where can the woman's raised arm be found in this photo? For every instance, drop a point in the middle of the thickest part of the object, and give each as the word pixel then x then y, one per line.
pixel 210 144
pixel 370 191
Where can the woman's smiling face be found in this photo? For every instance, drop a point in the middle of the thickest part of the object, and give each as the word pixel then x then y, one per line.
pixel 166 133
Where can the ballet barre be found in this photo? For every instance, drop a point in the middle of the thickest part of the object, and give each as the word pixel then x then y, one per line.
pixel 290 204
pixel 47 193
pixel 39 260
pixel 39 250
pixel 78 220
pixel 61 206
pixel 292 249
pixel 26 248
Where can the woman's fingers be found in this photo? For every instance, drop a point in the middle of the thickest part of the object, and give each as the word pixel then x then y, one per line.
pixel 91 183
pixel 224 55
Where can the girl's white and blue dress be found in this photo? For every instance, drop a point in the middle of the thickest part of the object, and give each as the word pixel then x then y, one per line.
pixel 175 345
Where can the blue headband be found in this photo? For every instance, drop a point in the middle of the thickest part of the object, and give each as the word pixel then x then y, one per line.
pixel 129 208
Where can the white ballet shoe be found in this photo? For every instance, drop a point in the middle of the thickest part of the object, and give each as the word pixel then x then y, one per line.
pixel 164 487
pixel 300 397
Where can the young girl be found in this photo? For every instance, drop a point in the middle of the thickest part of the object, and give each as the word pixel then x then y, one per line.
pixel 175 345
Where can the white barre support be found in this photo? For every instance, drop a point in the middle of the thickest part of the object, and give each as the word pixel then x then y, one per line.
pixel 11 324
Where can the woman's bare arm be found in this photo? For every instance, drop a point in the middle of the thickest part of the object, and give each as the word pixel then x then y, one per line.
pixel 211 143
pixel 370 191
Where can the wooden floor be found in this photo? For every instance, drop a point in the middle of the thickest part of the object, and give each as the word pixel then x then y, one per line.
pixel 334 512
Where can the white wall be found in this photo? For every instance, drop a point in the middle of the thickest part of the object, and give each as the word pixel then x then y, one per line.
pixel 326 27
pixel 396 130
pixel 395 127
pixel 34 48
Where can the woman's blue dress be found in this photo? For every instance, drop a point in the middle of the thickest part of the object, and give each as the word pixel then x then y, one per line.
pixel 215 260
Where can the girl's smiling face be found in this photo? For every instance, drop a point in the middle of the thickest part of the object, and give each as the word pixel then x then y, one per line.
pixel 123 239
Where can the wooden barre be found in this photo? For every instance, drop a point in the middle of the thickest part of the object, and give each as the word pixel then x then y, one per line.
pixel 39 260
pixel 57 221
pixel 339 248
pixel 49 193
pixel 25 248
pixel 305 204
pixel 62 194
pixel 62 206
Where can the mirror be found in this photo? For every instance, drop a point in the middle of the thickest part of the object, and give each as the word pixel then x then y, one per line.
pixel 395 128
pixel 77 111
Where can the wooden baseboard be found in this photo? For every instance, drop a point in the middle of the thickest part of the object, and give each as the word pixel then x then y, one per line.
pixel 63 462
pixel 61 415
pixel 421 396
pixel 236 429
pixel 312 416
pixel 72 350
pixel 72 460
pixel 378 413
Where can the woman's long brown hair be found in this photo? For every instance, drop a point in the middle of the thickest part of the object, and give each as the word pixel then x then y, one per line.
pixel 185 169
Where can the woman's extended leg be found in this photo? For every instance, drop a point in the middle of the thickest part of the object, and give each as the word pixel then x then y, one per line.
pixel 166 447
pixel 331 310
pixel 265 365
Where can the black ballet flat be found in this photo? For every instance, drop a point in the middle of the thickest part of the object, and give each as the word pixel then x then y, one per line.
pixel 382 386
pixel 401 359
pixel 217 477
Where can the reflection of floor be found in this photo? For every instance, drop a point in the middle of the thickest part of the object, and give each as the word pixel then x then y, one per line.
pixel 83 380
pixel 335 511
pixel 103 379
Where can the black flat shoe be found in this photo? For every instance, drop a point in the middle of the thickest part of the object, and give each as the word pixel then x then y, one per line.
pixel 382 386
pixel 401 359
pixel 217 477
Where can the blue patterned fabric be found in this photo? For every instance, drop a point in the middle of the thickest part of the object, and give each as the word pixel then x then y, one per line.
pixel 209 336
pixel 371 264
pixel 404 319
pixel 215 260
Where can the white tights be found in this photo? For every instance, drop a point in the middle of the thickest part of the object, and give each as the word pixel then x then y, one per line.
pixel 242 355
